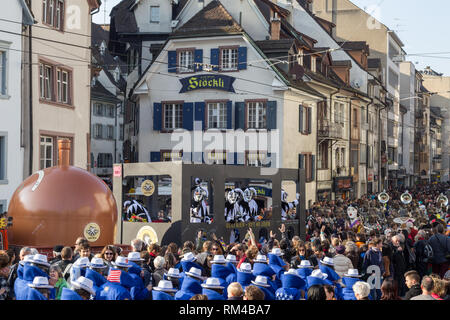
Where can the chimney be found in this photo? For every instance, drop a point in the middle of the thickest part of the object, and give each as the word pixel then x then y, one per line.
pixel 275 27
pixel 64 152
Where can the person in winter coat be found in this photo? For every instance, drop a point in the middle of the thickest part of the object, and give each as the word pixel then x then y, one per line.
pixel 441 250
pixel 5 289
pixel 292 284
pixel 326 265
pixel 341 263
pixel 399 264
pixel 422 260
pixel 192 284
pixel 164 291
pixel 213 290
pixel 412 281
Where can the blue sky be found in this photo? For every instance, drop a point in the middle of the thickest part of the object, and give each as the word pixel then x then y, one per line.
pixel 421 25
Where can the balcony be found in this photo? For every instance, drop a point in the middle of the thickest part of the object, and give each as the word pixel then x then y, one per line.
pixel 328 129
pixel 323 175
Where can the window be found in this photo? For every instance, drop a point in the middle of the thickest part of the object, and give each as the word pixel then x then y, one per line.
pixel 215 157
pixel 342 163
pixel 3 77
pixel 307 163
pixel 186 61
pixel 173 116
pixel 362 153
pixel 59 93
pixel 46 152
pixel 217 115
pixel 229 59
pixel 393 78
pixel 305 119
pixel 104 160
pixel 322 157
pixel 98 109
pixel 53 13
pixel 2 159
pixel 355 118
pixel 98 131
pixel 256 159
pixel 256 115
pixel 110 108
pixel 110 132
pixel 354 160
pixel 169 155
pixel 121 132
pixel 154 14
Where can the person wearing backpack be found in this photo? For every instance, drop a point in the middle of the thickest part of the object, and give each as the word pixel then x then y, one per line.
pixel 424 253
pixel 441 250
pixel 66 262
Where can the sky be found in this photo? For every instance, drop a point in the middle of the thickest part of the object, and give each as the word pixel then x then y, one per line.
pixel 421 25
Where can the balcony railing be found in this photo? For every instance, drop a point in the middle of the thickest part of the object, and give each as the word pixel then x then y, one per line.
pixel 330 129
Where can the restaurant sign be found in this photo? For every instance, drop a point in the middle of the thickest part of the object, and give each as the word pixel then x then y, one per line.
pixel 207 81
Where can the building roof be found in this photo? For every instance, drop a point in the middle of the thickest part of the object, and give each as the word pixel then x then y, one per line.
pixel 99 92
pixel 354 45
pixel 213 19
pixel 122 17
pixel 282 45
pixel 265 6
pixel 106 61
pixel 342 63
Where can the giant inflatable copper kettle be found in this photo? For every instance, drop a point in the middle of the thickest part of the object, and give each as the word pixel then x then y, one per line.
pixel 59 204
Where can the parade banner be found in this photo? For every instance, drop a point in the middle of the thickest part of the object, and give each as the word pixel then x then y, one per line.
pixel 207 81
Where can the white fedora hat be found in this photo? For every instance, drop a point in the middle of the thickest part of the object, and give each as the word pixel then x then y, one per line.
pixel 261 258
pixel 305 264
pixel 121 262
pixel 277 252
pixel 165 285
pixel 328 261
pixel 218 258
pixel 134 256
pixel 318 274
pixel 195 272
pixel 189 256
pixel 97 263
pixel 212 283
pixel 85 284
pixel 82 262
pixel 173 272
pixel 353 273
pixel 40 283
pixel 261 281
pixel 27 259
pixel 231 258
pixel 40 259
pixel 292 272
pixel 245 267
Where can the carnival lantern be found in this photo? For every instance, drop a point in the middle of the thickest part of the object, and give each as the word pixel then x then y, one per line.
pixel 59 204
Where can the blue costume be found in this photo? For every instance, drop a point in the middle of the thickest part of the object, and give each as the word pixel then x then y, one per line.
pixel 21 287
pixel 213 295
pixel 333 277
pixel 117 290
pixel 268 292
pixel 262 269
pixel 304 273
pixel 221 272
pixel 161 295
pixel 277 264
pixel 189 288
pixel 232 276
pixel 244 278
pixel 291 286
pixel 347 292
pixel 187 265
pixel 34 294
pixel 97 279
pixel 68 294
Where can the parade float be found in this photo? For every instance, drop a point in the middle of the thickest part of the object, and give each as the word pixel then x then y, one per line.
pixel 165 202
pixel 57 205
